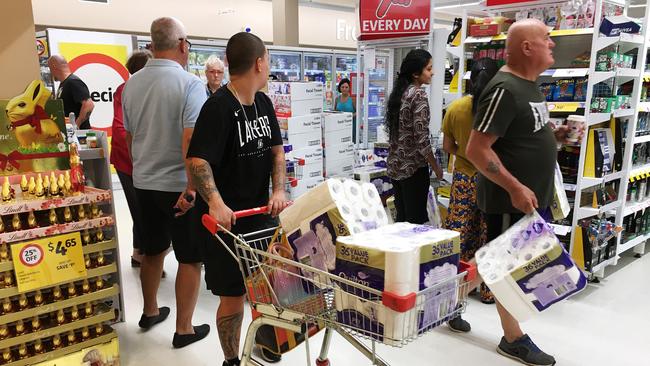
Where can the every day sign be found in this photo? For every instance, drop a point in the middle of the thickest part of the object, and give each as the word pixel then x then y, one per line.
pixel 394 18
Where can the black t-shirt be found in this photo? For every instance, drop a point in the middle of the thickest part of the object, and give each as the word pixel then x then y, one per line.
pixel 73 91
pixel 238 147
pixel 514 110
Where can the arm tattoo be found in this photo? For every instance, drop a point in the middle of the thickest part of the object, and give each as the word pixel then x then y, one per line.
pixel 203 179
pixel 279 172
pixel 229 328
pixel 493 167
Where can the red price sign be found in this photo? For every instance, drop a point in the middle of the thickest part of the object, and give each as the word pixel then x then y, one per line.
pixel 31 255
pixel 394 18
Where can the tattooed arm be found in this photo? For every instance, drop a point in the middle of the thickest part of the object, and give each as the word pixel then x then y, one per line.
pixel 87 107
pixel 203 181
pixel 480 153
pixel 278 201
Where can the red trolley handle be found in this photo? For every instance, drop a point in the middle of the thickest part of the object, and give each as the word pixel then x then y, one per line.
pixel 212 225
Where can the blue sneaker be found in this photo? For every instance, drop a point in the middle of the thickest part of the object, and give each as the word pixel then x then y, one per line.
pixel 525 351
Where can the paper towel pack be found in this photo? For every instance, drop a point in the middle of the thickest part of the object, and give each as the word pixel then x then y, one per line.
pixel 400 258
pixel 331 209
pixel 528 269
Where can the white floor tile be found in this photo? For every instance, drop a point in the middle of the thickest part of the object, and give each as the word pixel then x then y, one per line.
pixel 607 324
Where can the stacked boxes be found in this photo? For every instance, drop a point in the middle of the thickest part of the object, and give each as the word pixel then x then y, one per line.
pixel 337 141
pixel 299 108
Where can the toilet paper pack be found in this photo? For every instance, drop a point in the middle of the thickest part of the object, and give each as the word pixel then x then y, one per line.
pixel 377 176
pixel 528 269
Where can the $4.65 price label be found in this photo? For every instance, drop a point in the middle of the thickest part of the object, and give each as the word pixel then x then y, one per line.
pixel 47 261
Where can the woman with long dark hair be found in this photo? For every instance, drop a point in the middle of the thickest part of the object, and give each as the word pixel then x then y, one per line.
pixel 464 215
pixel 407 122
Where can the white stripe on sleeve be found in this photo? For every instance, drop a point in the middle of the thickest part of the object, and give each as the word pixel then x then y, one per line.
pixel 492 108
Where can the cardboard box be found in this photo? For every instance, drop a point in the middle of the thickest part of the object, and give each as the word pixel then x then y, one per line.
pixel 339 152
pixel 364 157
pixel 340 137
pixel 297 90
pixel 300 124
pixel 335 121
pixel 285 106
pixel 310 171
pixel 304 185
pixel 343 168
pixel 311 155
pixel 485 30
pixel 305 140
pixel 614 26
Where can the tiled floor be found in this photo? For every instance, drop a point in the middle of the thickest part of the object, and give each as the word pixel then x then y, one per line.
pixel 607 324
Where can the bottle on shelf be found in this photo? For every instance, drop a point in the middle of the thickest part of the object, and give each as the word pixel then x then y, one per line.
pixel 23 302
pixel 31 220
pixel 36 324
pixel 57 294
pixel 67 214
pixel 38 298
pixel 637 222
pixel 4 331
pixel 52 217
pixel 23 353
pixel 16 224
pixel 56 342
pixel 38 347
pixel 19 328
pixel 24 185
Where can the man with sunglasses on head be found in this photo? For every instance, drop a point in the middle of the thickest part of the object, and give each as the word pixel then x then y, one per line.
pixel 161 104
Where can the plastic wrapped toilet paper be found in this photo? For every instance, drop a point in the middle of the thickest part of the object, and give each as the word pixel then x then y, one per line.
pixel 370 193
pixel 331 209
pixel 528 269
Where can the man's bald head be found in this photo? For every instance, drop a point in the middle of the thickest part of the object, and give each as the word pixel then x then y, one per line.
pixel 529 43
pixel 166 33
pixel 59 67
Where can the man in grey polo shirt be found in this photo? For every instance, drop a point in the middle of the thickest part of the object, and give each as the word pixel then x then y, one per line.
pixel 161 103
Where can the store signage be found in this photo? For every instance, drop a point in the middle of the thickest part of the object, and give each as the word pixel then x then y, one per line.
pixel 394 18
pixel 505 2
pixel 44 262
pixel 98 59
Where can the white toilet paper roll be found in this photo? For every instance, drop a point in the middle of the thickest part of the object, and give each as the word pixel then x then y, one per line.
pixel 346 209
pixel 528 253
pixel 370 194
pixel 355 228
pixel 382 218
pixel 364 213
pixel 402 271
pixel 353 191
pixel 336 189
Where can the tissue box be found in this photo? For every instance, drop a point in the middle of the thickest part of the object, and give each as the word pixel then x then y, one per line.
pixel 338 152
pixel 312 170
pixel 303 185
pixel 305 140
pixel 301 124
pixel 377 176
pixel 342 168
pixel 285 106
pixel 614 26
pixel 402 259
pixel 528 269
pixel 381 151
pixel 602 104
pixel 297 90
pixel 364 157
pixel 335 121
pixel 338 137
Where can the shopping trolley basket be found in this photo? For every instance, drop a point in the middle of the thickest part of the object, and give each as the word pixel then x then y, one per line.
pixel 293 295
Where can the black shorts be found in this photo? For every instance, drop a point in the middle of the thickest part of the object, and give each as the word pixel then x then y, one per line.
pixel 160 227
pixel 222 274
pixel 498 223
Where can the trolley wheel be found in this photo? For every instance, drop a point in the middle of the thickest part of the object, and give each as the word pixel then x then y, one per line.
pixel 325 362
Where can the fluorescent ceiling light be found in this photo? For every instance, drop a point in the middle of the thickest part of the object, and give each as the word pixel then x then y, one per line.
pixel 637 6
pixel 456 6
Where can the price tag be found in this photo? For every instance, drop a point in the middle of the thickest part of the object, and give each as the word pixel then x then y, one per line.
pixel 570 73
pixel 479 39
pixel 564 106
pixel 43 262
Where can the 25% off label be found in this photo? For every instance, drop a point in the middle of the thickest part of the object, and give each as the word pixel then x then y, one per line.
pixel 31 255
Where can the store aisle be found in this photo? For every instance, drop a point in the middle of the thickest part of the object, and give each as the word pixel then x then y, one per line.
pixel 604 325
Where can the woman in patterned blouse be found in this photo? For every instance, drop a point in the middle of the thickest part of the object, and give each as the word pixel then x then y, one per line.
pixel 407 122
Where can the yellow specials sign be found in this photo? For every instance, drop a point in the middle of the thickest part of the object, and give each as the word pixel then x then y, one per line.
pixel 47 261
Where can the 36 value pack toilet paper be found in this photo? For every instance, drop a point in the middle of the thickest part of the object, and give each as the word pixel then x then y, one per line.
pixel 400 258
pixel 329 210
pixel 528 269
pixel 377 176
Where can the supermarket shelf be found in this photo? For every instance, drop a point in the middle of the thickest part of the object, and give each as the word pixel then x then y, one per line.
pixel 570 187
pixel 90 248
pixel 316 71
pixel 624 247
pixel 293 71
pixel 566 72
pixel 596 118
pixel 555 33
pixel 632 207
pixel 644 107
pixel 604 42
pixel 600 266
pixel 107 315
pixel 49 308
pixel 90 154
pixel 55 229
pixel 641 139
pixel 584 212
pixel 559 107
pixel 624 113
pixel 91 195
pixel 66 350
pixel 94 272
pixel 591 182
pixel 639 170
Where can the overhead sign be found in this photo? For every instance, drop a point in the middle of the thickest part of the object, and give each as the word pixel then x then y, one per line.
pixel 98 59
pixel 505 2
pixel 394 18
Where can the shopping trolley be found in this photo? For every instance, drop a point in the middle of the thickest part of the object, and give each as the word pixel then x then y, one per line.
pixel 293 168
pixel 309 296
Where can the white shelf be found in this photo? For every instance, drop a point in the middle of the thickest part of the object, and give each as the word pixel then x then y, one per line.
pixel 588 182
pixel 632 207
pixel 644 107
pixel 639 170
pixel 570 187
pixel 584 212
pixel 455 51
pixel 566 72
pixel 624 113
pixel 641 139
pixel 600 266
pixel 564 107
pixel 600 76
pixel 624 247
pixel 633 39
pixel 596 118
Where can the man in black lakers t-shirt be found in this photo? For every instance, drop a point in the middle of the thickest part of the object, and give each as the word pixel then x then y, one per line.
pixel 235 149
pixel 514 147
